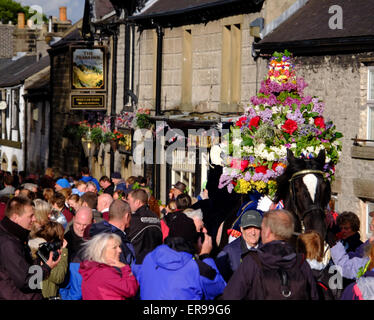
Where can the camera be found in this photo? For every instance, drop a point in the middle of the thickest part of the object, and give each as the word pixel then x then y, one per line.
pixel 46 247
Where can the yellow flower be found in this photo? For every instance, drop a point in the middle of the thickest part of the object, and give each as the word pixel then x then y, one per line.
pixel 244 186
pixel 260 186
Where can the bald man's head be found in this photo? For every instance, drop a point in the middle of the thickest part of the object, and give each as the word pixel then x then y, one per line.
pixel 104 201
pixel 81 220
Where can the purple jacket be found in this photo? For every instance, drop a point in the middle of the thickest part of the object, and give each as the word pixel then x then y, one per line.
pixel 103 282
pixel 362 289
pixel 350 267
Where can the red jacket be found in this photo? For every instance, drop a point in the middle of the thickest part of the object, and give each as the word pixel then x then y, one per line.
pixel 67 213
pixel 2 210
pixel 103 282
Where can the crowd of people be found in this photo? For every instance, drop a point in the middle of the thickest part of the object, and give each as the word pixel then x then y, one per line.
pixel 77 238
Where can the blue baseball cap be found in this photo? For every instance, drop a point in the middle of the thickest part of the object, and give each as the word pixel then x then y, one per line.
pixel 63 183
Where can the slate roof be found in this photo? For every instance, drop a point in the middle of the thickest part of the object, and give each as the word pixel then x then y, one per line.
pixel 19 70
pixel 309 29
pixel 102 8
pixel 170 13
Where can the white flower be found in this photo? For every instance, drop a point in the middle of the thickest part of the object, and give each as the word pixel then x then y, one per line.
pixel 236 142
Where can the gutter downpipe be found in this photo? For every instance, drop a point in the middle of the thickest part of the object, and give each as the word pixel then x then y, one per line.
pixel 114 92
pixel 157 174
pixel 160 37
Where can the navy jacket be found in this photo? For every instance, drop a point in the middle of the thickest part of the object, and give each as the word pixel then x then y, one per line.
pixel 229 259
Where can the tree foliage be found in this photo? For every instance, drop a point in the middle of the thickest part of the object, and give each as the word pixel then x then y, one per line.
pixel 9 12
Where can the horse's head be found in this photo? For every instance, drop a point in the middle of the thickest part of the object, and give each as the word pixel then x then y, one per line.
pixel 305 192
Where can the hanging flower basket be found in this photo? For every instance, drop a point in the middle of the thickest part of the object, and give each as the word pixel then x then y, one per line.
pixel 280 117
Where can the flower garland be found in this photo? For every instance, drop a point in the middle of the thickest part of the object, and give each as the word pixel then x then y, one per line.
pixel 280 118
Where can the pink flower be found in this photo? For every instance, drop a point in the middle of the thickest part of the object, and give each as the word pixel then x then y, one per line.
pixel 239 164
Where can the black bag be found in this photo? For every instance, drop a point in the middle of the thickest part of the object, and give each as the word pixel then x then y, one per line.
pixel 281 284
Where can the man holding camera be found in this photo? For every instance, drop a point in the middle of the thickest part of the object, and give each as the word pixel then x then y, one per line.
pixel 15 256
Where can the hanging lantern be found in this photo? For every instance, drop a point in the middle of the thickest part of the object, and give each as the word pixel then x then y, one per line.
pixel 89 147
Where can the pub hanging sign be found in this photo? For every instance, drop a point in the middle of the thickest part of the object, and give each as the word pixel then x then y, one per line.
pixel 88 78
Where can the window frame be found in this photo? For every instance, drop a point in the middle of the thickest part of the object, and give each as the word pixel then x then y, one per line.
pixel 370 104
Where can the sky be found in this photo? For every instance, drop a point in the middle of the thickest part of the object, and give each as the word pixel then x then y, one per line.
pixel 50 7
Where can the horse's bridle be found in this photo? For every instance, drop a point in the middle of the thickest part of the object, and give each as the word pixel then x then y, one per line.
pixel 313 207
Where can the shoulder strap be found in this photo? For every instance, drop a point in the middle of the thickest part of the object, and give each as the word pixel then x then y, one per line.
pixel 206 270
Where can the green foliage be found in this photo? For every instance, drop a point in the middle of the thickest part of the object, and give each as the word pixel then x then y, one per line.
pixel 96 135
pixel 9 12
pixel 143 121
pixel 280 55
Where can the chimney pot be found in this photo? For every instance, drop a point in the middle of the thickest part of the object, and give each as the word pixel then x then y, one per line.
pixel 62 14
pixel 21 20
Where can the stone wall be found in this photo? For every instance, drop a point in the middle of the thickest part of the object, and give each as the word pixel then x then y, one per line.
pixel 207 44
pixel 6 40
pixel 68 158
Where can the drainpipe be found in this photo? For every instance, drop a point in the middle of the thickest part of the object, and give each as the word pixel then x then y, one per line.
pixel 126 65
pixel 157 175
pixel 114 92
pixel 160 36
pixel 51 111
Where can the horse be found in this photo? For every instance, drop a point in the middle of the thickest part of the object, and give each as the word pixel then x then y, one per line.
pixel 305 192
pixel 301 188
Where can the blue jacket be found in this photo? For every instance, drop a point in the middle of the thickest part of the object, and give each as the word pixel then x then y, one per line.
pixel 89 178
pixel 167 274
pixel 73 290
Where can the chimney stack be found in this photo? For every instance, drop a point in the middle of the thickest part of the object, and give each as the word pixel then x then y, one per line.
pixel 50 24
pixel 21 20
pixel 62 13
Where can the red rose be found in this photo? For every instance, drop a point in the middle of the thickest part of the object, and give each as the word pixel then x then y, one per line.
pixel 254 122
pixel 237 164
pixel 290 126
pixel 275 165
pixel 261 169
pixel 319 122
pixel 241 122
pixel 244 164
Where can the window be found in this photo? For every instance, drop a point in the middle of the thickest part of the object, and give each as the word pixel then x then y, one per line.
pixel 370 102
pixel 231 64
pixel 370 207
pixel 15 109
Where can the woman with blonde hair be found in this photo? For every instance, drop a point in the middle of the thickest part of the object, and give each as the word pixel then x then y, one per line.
pixel 48 194
pixel 311 245
pixel 104 276
pixel 42 210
